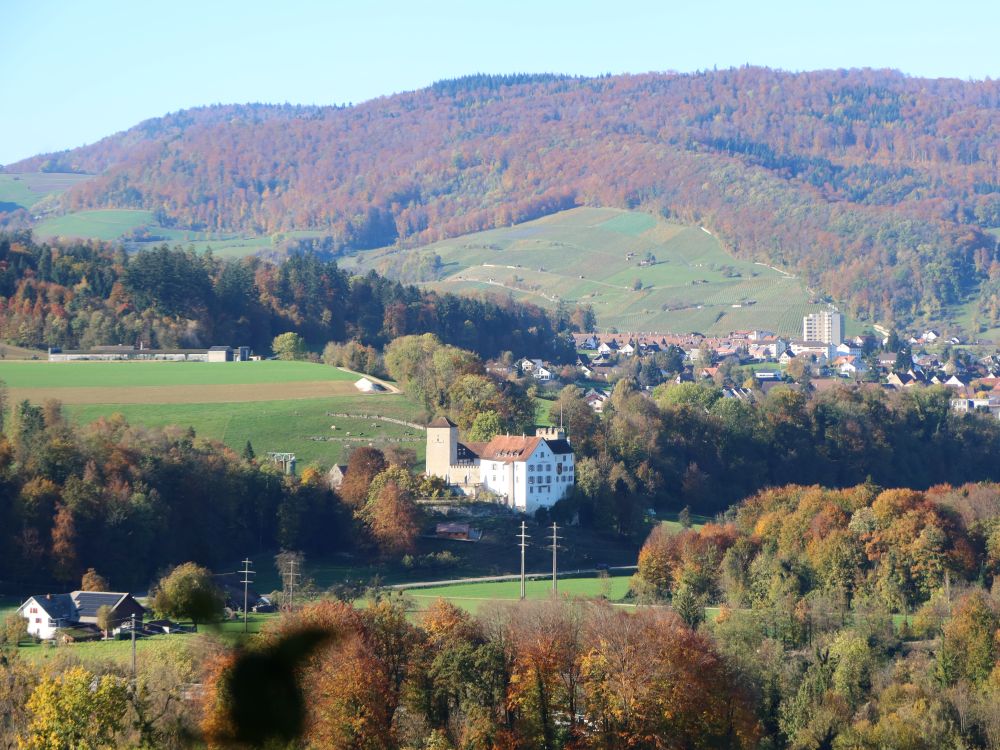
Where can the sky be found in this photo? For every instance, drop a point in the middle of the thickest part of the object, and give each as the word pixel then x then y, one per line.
pixel 73 72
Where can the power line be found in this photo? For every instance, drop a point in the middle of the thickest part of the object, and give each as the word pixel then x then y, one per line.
pixel 247 572
pixel 555 548
pixel 523 536
pixel 291 582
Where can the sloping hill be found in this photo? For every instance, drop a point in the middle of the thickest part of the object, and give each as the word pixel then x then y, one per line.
pixel 872 186
pixel 599 257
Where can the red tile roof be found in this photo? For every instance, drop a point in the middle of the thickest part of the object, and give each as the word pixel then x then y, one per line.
pixel 510 448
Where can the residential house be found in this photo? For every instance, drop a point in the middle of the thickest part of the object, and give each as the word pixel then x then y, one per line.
pixel 850 366
pixel 51 612
pixel 899 380
pixel 989 403
pixel 740 394
pixel 537 369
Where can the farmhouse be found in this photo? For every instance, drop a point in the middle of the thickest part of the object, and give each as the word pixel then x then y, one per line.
pixel 49 613
pixel 526 473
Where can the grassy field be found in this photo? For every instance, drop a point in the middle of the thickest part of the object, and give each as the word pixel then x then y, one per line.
pixel 299 426
pixel 157 647
pixel 223 244
pixel 26 190
pixel 471 596
pixel 143 374
pixel 277 406
pixel 173 382
pixel 592 256
pixel 104 224
pixel 120 224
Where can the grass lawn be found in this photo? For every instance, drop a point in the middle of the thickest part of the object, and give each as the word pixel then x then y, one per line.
pixel 158 646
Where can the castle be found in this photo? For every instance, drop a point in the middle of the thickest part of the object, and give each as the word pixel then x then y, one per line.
pixel 527 473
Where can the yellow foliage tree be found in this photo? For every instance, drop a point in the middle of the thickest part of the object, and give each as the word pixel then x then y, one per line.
pixel 76 709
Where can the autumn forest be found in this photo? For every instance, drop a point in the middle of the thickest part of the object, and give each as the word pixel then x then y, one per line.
pixel 879 189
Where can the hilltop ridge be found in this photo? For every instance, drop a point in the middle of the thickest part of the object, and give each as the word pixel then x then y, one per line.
pixel 873 186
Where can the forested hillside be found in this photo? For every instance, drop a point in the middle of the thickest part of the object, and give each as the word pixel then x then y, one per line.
pixel 874 186
pixel 87 294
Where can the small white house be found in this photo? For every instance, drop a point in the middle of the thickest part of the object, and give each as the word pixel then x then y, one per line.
pixel 46 614
pixel 541 372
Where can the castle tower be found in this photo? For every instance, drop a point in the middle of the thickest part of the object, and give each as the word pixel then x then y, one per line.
pixel 550 433
pixel 442 447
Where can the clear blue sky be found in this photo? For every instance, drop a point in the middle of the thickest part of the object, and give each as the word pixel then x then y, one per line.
pixel 74 71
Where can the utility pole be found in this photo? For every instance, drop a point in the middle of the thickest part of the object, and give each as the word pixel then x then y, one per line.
pixel 523 536
pixel 133 648
pixel 247 572
pixel 555 548
pixel 291 582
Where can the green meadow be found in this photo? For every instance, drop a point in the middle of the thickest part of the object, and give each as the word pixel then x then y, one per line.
pixel 122 224
pixel 299 426
pixel 592 256
pixel 471 596
pixel 44 374
pixel 103 224
pixel 264 404
pixel 27 190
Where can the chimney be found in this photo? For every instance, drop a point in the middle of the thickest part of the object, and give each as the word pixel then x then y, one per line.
pixel 48 596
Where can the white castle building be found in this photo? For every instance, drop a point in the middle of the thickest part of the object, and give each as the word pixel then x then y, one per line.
pixel 526 472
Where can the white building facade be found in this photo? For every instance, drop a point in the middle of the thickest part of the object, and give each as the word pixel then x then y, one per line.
pixel 825 326
pixel 525 473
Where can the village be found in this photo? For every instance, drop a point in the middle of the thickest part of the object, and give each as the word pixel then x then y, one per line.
pixel 747 364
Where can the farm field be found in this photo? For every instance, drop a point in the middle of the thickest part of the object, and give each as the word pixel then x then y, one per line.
pixel 145 374
pixel 122 224
pixel 299 426
pixel 104 224
pixel 28 189
pixel 172 382
pixel 277 406
pixel 591 255
pixel 471 596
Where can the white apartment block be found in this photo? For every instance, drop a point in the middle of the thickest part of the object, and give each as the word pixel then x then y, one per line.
pixel 827 327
